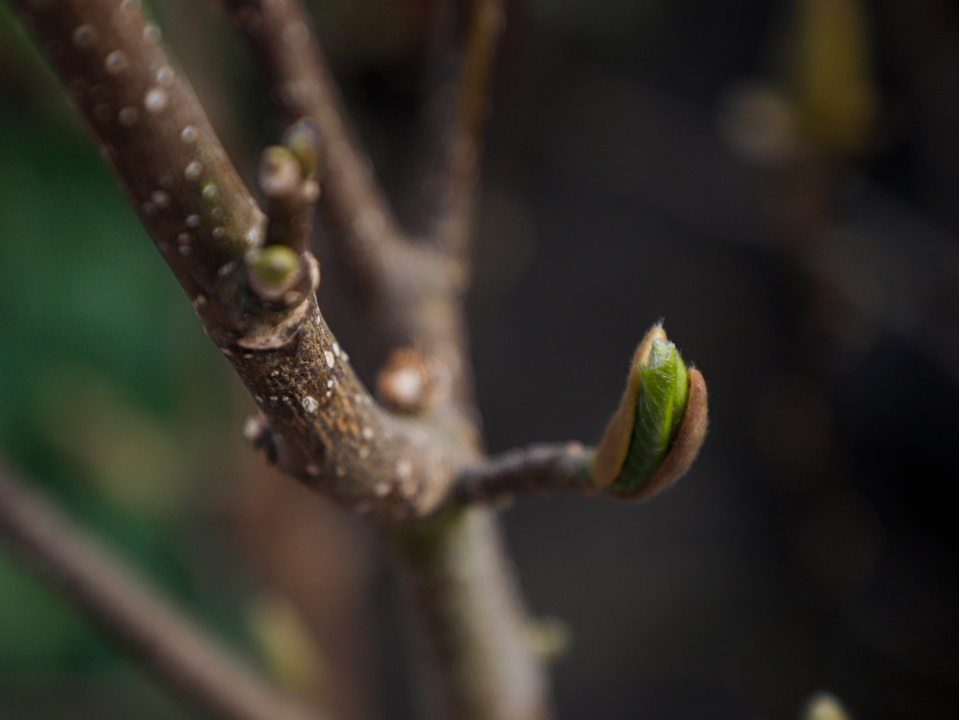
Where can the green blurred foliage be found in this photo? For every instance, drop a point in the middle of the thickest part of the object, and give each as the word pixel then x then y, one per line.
pixel 113 399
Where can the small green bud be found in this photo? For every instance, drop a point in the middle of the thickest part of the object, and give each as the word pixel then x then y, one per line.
pixel 303 140
pixel 273 270
pixel 649 420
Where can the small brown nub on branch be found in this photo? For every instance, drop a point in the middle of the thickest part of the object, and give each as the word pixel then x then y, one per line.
pixel 409 382
pixel 257 432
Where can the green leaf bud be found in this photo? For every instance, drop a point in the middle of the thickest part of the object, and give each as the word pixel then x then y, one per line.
pixel 652 423
pixel 661 402
pixel 273 270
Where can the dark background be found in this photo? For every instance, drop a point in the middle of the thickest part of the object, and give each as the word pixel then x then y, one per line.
pixel 776 180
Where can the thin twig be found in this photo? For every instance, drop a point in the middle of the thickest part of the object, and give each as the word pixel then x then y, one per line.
pixel 287 179
pixel 398 281
pixel 132 614
pixel 562 466
pixel 301 85
pixel 412 293
pixel 472 612
pixel 453 225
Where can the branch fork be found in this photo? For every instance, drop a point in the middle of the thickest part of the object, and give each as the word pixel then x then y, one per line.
pixel 252 281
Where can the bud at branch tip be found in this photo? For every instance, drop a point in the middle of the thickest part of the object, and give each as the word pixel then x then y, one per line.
pixel 303 140
pixel 659 426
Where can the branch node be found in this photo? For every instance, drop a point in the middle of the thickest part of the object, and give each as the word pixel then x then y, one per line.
pixel 411 383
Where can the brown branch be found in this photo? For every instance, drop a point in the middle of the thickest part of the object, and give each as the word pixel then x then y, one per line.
pixel 319 423
pixel 472 613
pixel 474 619
pixel 126 609
pixel 562 466
pixel 301 84
pixel 153 131
pixel 412 292
pixel 327 430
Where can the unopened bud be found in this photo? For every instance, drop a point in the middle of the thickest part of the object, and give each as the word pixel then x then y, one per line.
pixel 653 437
pixel 273 271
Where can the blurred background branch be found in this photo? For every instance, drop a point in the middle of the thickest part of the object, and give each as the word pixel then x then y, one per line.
pixel 132 614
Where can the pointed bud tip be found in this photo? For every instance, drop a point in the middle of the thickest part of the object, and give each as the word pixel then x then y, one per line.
pixel 656 334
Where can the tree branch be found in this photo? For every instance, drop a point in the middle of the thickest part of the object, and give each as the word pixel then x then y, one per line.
pixel 412 293
pixel 326 429
pixel 156 136
pixel 477 627
pixel 318 422
pixel 562 466
pixel 148 629
pixel 570 466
